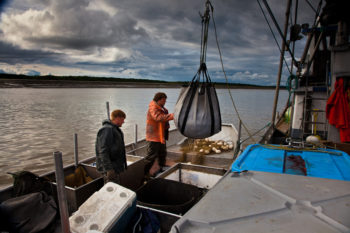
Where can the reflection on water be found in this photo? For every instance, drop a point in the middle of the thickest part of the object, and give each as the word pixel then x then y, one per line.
pixel 36 122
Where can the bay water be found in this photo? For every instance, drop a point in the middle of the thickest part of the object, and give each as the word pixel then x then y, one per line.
pixel 35 122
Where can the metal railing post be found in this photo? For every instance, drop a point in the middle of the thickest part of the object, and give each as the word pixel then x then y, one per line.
pixel 76 157
pixel 281 63
pixel 135 135
pixel 62 199
pixel 238 144
pixel 108 114
pixel 239 132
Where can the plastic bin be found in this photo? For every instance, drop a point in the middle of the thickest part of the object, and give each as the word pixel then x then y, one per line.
pixel 76 196
pixel 108 210
pixel 168 195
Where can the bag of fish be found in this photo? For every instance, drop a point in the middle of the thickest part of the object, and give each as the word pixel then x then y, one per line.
pixel 197 111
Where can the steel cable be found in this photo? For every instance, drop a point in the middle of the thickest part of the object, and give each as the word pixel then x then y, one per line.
pixel 223 70
pixel 274 37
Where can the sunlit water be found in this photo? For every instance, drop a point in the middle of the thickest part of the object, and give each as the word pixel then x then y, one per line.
pixel 36 122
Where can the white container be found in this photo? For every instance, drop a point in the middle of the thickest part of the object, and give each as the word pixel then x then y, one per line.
pixel 104 209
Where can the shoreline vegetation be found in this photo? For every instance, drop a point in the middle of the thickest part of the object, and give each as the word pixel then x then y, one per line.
pixel 50 81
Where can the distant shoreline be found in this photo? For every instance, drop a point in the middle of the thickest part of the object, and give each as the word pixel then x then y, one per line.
pixel 28 83
pixel 24 81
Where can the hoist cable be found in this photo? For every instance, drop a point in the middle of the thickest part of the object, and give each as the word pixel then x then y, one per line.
pixel 279 30
pixel 223 70
pixel 274 37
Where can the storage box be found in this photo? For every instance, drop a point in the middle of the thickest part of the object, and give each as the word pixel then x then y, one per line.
pixel 197 175
pixel 108 210
pixel 168 195
pixel 77 195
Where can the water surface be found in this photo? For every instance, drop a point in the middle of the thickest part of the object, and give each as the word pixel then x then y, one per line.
pixel 36 122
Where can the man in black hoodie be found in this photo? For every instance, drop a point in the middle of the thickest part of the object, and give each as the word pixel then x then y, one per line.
pixel 110 148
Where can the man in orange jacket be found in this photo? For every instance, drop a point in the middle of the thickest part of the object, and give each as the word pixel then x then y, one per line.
pixel 157 129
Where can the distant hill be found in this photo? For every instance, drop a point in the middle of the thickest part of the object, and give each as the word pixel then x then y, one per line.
pixel 51 81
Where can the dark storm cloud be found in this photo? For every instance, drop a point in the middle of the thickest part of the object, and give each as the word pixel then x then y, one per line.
pixel 79 29
pixel 155 39
pixel 13 55
pixel 2 5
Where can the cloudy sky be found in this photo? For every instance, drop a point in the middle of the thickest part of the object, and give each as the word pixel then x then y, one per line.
pixel 145 39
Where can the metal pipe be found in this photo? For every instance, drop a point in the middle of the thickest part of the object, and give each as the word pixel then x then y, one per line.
pixel 76 157
pixel 306 48
pixel 281 63
pixel 291 116
pixel 62 199
pixel 307 45
pixel 159 211
pixel 180 176
pixel 135 135
pixel 295 22
pixel 204 37
pixel 107 106
pixel 239 132
pixel 238 144
pixel 314 52
pixel 284 35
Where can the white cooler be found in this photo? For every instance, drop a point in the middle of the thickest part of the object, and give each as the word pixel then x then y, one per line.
pixel 108 210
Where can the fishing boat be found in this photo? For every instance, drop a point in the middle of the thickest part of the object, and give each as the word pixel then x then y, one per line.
pixel 297 178
pixel 289 182
pixel 211 166
pixel 307 118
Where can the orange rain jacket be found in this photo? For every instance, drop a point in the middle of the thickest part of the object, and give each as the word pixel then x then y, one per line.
pixel 157 118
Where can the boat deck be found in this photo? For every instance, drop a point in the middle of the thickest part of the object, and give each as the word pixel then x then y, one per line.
pixel 270 202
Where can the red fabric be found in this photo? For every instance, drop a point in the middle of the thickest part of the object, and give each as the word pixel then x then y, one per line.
pixel 338 110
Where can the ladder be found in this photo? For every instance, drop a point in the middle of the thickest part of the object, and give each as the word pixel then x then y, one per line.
pixel 310 114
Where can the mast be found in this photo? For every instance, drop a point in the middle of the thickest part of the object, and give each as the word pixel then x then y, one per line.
pixel 281 64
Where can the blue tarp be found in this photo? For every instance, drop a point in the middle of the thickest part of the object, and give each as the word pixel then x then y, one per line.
pixel 323 163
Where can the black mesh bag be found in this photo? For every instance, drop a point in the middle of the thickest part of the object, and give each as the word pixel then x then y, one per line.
pixel 197 110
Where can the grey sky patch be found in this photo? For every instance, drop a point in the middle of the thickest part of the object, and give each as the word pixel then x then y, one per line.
pixel 33 73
